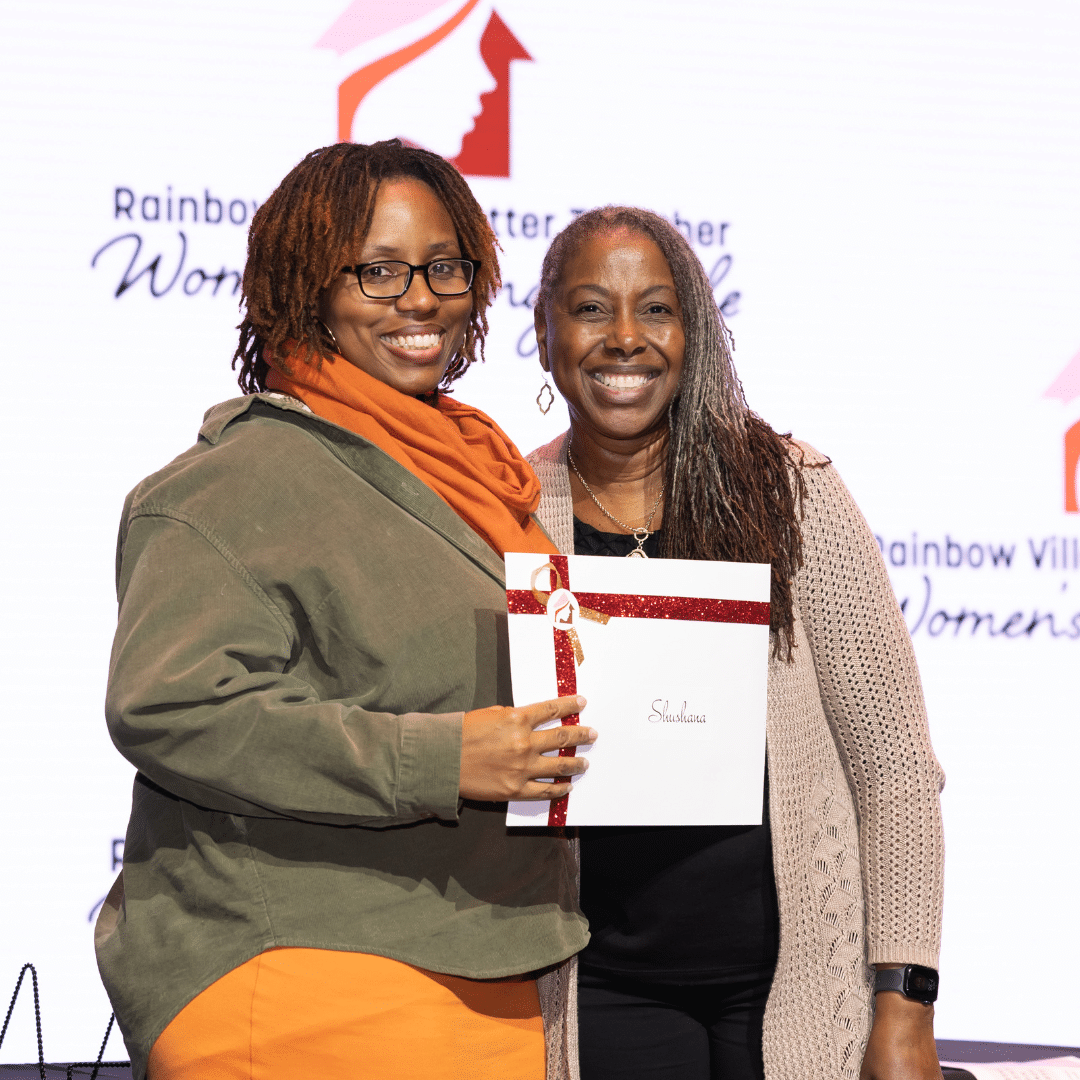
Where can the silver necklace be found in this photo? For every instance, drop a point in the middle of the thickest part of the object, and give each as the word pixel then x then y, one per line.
pixel 640 534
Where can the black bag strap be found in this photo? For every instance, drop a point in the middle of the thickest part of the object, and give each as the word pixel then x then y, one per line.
pixel 96 1065
pixel 37 1014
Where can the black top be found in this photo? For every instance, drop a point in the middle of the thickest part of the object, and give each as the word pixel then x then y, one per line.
pixel 676 904
pixel 590 541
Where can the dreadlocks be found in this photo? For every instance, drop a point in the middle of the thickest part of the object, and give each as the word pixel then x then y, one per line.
pixel 734 493
pixel 315 223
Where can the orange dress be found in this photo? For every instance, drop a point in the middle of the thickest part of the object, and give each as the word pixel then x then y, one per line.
pixel 291 1014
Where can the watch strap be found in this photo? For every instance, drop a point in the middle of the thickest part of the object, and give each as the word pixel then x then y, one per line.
pixel 914 981
pixel 889 979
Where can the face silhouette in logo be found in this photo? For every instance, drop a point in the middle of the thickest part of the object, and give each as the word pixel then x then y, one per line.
pixel 562 609
pixel 448 91
pixel 1066 387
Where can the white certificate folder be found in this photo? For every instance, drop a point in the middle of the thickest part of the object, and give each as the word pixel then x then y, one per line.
pixel 672 656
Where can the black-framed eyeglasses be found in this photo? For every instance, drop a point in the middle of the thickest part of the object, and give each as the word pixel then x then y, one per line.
pixel 387 280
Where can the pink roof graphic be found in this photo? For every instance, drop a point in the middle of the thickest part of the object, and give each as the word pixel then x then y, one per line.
pixel 363 20
pixel 1066 386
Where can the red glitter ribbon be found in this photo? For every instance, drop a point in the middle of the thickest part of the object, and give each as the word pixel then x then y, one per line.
pixel 623 606
pixel 565 677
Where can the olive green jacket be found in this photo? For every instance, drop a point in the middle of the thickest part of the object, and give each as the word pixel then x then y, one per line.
pixel 302 625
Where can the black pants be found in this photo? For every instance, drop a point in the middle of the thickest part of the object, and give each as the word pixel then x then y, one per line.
pixel 631 1030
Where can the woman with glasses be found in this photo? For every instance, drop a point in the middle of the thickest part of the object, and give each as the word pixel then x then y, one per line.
pixel 309 676
pixel 742 952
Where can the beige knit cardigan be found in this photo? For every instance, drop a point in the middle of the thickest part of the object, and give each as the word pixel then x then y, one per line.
pixel 853 792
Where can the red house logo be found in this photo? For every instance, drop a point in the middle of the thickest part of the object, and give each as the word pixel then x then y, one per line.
pixel 1066 387
pixel 448 91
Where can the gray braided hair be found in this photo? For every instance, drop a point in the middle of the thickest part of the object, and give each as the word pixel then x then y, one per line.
pixel 734 484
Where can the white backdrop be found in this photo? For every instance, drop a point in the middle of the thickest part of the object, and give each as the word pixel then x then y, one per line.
pixel 886 194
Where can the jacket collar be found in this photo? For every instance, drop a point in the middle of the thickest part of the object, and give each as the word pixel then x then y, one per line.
pixel 219 417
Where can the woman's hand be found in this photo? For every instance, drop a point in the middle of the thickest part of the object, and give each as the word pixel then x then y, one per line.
pixel 901 1045
pixel 502 755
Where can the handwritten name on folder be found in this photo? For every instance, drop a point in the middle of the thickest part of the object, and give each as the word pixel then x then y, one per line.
pixel 672 656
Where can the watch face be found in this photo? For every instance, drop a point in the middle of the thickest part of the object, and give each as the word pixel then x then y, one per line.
pixel 920 982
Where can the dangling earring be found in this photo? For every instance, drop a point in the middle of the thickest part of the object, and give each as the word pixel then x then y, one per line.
pixel 330 335
pixel 542 403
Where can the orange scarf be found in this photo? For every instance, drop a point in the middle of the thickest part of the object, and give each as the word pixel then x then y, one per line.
pixel 458 451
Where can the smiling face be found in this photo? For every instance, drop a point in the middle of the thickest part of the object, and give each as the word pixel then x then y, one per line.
pixel 407 342
pixel 612 337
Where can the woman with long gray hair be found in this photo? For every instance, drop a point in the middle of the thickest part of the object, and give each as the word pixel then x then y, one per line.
pixel 746 951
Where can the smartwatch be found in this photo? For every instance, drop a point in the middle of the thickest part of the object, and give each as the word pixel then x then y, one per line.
pixel 913 981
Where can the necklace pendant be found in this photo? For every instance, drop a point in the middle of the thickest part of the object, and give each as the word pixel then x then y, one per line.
pixel 640 535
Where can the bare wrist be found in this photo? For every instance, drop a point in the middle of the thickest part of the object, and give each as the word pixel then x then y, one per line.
pixel 893 1005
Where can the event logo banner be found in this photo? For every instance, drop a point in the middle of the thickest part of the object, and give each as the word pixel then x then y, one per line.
pixel 465 81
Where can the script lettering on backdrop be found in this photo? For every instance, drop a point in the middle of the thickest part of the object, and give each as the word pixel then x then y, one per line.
pixel 951 585
pixel 159 236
